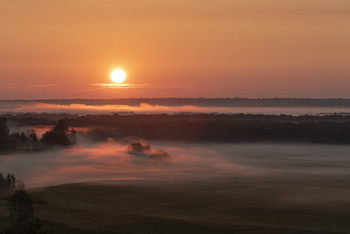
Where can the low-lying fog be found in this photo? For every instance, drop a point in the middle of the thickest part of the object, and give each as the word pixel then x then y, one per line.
pixel 144 108
pixel 106 161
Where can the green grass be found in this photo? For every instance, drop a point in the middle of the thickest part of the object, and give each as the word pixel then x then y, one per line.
pixel 240 205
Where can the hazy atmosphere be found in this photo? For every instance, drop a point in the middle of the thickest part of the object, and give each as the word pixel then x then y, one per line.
pixel 111 161
pixel 270 48
pixel 189 117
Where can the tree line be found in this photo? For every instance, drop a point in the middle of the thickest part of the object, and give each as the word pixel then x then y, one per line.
pixel 59 135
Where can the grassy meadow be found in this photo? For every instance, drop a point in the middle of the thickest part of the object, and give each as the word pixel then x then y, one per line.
pixel 228 205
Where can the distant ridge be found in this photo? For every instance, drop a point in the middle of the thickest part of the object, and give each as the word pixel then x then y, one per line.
pixel 214 102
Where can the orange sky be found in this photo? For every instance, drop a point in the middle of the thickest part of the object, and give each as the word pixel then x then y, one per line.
pixel 183 48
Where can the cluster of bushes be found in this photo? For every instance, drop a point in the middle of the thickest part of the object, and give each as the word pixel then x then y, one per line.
pixel 15 140
pixel 59 135
pixel 7 182
pixel 138 148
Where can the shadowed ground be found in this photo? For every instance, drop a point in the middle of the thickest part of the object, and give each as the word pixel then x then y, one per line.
pixel 239 205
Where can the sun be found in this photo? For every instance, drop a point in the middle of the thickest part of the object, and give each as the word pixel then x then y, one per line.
pixel 118 76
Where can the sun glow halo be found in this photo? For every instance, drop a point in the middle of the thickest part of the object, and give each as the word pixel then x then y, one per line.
pixel 118 76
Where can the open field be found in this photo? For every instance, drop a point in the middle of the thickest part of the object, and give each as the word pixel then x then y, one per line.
pixel 227 205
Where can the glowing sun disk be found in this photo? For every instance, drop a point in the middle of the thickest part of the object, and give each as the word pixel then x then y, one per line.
pixel 118 76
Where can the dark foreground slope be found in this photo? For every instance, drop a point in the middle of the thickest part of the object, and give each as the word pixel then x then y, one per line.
pixel 237 205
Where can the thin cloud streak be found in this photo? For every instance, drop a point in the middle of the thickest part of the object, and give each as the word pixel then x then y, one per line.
pixel 42 85
pixel 21 85
pixel 120 86
pixel 11 86
pixel 135 86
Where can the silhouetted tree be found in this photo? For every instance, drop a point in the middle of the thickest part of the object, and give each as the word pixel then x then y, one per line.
pixel 33 137
pixel 7 182
pixel 23 137
pixel 61 127
pixel 2 180
pixel 10 181
pixel 32 140
pixel 22 218
pixel 53 138
pixel 4 129
pixel 59 135
pixel 72 136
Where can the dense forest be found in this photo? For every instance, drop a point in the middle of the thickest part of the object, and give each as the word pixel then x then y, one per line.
pixel 203 127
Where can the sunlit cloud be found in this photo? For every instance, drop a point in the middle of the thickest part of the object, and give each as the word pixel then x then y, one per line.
pixel 120 86
pixel 42 85
pixel 134 86
pixel 11 86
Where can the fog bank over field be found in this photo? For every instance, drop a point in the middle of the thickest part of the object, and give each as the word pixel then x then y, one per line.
pixel 111 161
pixel 86 107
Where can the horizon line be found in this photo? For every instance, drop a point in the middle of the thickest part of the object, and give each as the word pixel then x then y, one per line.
pixel 198 98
